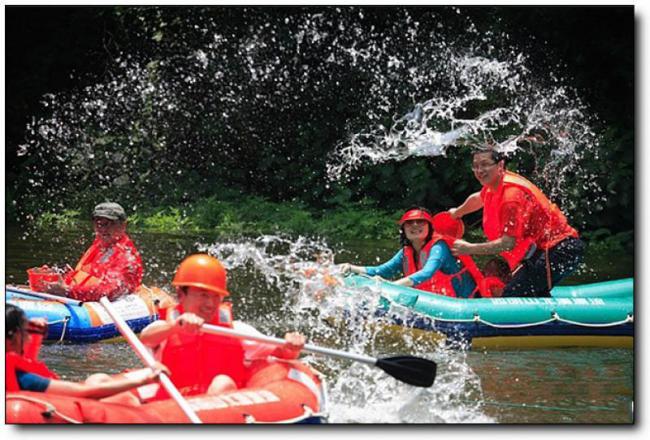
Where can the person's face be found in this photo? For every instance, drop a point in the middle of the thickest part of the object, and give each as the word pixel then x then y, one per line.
pixel 416 229
pixel 486 170
pixel 201 302
pixel 18 340
pixel 108 231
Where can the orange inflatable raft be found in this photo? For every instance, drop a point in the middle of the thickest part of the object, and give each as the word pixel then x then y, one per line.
pixel 279 392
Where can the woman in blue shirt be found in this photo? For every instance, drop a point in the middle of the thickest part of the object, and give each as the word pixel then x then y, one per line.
pixel 425 260
pixel 23 372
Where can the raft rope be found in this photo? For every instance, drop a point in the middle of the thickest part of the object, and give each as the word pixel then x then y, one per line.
pixel 307 413
pixel 65 327
pixel 50 409
pixel 555 317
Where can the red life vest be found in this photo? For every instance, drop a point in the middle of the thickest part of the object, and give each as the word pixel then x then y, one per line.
pixel 102 271
pixel 440 283
pixel 15 362
pixel 543 224
pixel 194 360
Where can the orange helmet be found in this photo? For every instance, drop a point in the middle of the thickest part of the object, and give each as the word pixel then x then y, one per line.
pixel 443 223
pixel 203 271
pixel 416 214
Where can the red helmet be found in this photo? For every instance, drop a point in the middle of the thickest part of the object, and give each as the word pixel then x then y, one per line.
pixel 202 271
pixel 443 223
pixel 416 214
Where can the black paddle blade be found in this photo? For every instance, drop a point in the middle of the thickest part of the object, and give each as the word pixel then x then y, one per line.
pixel 412 370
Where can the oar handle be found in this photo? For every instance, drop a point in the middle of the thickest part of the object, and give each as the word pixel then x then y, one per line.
pixel 61 299
pixel 147 358
pixel 213 329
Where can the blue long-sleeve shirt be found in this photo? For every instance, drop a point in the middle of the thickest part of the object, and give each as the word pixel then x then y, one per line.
pixel 440 258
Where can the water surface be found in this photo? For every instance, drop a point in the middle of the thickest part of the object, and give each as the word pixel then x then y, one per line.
pixel 515 386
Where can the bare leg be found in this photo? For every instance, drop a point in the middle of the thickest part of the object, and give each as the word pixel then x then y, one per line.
pixel 221 384
pixel 97 378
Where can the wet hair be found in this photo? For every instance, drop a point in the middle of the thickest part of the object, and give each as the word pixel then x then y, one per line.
pixel 498 267
pixel 495 155
pixel 403 241
pixel 14 319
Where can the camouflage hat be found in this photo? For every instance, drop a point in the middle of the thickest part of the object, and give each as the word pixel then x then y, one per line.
pixel 109 210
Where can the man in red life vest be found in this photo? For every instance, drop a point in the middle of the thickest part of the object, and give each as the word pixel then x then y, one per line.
pixel 24 372
pixel 111 267
pixel 204 363
pixel 522 225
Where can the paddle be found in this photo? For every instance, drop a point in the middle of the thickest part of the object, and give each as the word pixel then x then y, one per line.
pixel 147 358
pixel 408 369
pixel 61 299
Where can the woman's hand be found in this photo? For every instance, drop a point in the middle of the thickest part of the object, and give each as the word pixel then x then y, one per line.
pixel 347 268
pixel 155 373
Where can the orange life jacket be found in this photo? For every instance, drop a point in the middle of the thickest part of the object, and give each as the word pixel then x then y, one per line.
pixel 544 225
pixel 105 271
pixel 194 360
pixel 440 283
pixel 15 362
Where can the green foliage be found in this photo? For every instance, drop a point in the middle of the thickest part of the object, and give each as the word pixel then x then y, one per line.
pixel 270 153
pixel 164 220
pixel 254 216
pixel 68 219
pixel 602 241
pixel 358 222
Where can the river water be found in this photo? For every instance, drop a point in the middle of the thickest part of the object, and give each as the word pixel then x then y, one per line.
pixel 514 386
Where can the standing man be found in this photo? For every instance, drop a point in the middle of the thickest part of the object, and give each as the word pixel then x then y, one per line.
pixel 111 267
pixel 522 225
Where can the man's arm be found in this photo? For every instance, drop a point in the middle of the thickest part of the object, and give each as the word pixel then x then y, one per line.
pixel 472 204
pixel 501 244
pixel 155 333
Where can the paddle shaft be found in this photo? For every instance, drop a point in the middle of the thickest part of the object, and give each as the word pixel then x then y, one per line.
pixel 208 328
pixel 147 358
pixel 61 299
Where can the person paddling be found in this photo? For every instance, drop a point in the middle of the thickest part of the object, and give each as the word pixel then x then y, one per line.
pixel 111 267
pixel 24 372
pixel 425 261
pixel 203 363
pixel 522 225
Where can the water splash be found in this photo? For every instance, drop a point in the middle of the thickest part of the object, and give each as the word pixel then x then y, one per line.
pixel 315 301
pixel 208 91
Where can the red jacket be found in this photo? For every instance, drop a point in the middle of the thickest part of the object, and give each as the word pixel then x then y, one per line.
pixel 194 360
pixel 440 283
pixel 519 209
pixel 15 362
pixel 111 272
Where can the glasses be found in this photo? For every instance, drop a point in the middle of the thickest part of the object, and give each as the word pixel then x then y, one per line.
pixel 102 222
pixel 482 166
pixel 416 222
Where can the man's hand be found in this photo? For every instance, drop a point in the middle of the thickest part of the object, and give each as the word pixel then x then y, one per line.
pixel 461 247
pixel 293 345
pixel 188 323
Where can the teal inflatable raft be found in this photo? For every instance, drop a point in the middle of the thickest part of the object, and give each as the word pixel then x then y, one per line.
pixel 599 314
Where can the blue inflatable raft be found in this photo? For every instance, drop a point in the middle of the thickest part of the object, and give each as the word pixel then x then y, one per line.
pixel 75 321
pixel 599 314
